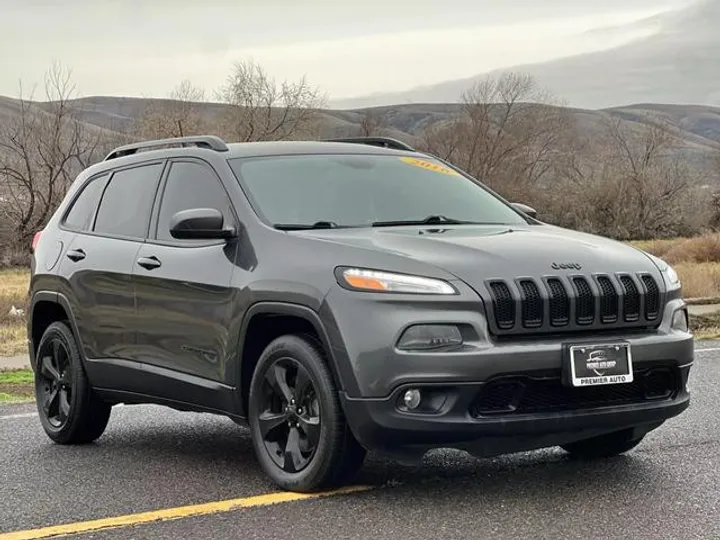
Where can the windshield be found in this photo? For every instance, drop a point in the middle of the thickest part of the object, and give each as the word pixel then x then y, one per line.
pixel 365 190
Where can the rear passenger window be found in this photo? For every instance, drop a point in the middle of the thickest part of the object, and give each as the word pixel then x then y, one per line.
pixel 127 202
pixel 83 209
pixel 191 185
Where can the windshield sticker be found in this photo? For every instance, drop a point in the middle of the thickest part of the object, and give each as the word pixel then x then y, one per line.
pixel 429 165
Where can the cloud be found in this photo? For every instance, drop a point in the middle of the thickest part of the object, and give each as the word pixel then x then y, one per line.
pixel 146 64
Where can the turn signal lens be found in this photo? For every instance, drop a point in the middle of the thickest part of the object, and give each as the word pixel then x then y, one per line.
pixel 680 321
pixel 379 281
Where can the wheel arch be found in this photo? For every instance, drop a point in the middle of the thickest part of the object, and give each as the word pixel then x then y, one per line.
pixel 292 319
pixel 47 307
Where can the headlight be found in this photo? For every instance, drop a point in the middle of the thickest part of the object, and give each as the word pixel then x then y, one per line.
pixel 672 281
pixel 378 281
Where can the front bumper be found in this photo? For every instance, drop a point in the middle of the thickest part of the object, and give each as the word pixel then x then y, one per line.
pixel 380 425
pixel 374 375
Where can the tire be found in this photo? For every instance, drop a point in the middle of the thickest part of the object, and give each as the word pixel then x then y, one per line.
pixel 604 446
pixel 323 452
pixel 69 412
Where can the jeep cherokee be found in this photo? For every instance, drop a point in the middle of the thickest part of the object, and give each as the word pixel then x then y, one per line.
pixel 345 296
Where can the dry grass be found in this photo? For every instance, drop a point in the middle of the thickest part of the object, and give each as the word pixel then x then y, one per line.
pixel 13 292
pixel 699 280
pixel 699 249
pixel 696 260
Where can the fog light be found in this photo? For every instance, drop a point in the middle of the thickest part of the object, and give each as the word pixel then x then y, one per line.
pixel 680 321
pixel 412 399
pixel 430 336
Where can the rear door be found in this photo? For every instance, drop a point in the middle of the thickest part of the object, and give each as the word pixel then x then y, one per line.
pixel 184 298
pixel 110 217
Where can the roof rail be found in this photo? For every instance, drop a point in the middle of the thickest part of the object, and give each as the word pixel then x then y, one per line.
pixel 383 142
pixel 205 141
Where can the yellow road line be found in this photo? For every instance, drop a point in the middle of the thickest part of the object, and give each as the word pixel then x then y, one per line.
pixel 172 513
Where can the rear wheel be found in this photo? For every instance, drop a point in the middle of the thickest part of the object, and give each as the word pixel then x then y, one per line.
pixel 298 428
pixel 604 446
pixel 69 412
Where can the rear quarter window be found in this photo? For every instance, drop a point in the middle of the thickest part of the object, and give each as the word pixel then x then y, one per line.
pixel 82 211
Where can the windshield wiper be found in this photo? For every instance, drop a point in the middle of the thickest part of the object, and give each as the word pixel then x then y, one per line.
pixel 306 226
pixel 430 220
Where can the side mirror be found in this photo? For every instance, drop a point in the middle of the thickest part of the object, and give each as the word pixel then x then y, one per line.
pixel 200 224
pixel 525 209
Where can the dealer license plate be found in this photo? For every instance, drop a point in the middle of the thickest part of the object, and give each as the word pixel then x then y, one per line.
pixel 592 365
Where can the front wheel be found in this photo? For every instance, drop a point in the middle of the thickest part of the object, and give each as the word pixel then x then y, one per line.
pixel 298 428
pixel 604 446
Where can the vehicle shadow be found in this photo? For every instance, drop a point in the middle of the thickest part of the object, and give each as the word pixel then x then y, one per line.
pixel 216 449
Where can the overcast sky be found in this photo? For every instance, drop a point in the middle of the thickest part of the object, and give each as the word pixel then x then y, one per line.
pixel 345 47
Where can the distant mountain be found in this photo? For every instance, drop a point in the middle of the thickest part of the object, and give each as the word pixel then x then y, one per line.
pixel 697 127
pixel 679 63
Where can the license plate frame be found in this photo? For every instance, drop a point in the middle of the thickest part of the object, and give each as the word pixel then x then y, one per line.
pixel 598 364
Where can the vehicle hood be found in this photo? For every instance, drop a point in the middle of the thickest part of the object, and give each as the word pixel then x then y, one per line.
pixel 477 253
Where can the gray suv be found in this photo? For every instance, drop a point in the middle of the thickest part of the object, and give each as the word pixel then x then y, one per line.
pixel 345 296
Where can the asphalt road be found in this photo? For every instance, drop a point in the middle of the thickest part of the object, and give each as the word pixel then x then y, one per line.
pixel 152 458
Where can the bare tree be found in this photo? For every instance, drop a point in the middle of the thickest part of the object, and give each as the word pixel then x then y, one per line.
pixel 264 110
pixel 42 148
pixel 632 183
pixel 178 116
pixel 372 123
pixel 506 134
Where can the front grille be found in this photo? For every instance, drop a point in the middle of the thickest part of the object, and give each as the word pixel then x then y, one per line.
pixel 532 305
pixel 585 301
pixel 559 303
pixel 503 304
pixel 538 393
pixel 609 305
pixel 578 303
pixel 631 299
pixel 652 297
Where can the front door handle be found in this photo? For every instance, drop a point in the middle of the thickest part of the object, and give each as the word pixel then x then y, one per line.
pixel 75 255
pixel 149 263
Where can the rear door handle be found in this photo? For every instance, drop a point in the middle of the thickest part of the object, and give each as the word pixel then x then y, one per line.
pixel 75 255
pixel 149 263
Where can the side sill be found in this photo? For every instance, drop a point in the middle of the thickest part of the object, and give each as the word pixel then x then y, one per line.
pixel 155 384
pixel 133 398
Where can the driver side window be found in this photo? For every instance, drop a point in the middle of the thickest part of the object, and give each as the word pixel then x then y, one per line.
pixel 191 185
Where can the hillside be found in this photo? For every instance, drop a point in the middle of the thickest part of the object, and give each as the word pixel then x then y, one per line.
pixel 676 64
pixel 697 127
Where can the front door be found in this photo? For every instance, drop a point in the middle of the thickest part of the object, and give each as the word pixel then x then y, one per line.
pixel 183 295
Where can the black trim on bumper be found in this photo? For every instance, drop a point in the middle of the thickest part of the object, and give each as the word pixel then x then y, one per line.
pixel 381 426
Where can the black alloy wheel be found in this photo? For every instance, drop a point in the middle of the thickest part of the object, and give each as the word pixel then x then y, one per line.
pixel 289 415
pixel 299 432
pixel 55 381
